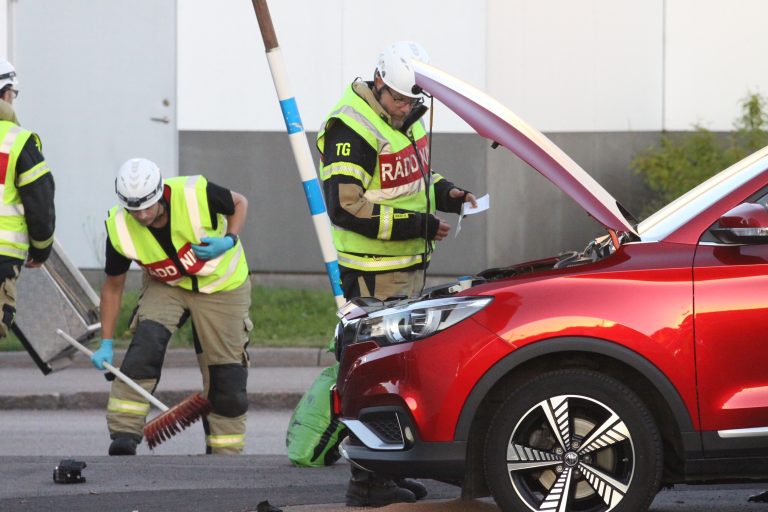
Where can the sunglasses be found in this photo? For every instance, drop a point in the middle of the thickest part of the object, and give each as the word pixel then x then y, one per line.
pixel 403 100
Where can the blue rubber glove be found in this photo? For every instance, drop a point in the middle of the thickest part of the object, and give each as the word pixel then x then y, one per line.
pixel 213 247
pixel 104 354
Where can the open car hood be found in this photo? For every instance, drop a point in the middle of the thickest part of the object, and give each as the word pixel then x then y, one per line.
pixel 494 121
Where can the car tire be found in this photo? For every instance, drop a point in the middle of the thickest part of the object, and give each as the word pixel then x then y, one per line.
pixel 573 440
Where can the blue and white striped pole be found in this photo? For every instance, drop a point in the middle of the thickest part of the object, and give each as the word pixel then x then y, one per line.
pixel 300 146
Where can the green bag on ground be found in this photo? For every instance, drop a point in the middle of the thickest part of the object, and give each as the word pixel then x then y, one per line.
pixel 313 436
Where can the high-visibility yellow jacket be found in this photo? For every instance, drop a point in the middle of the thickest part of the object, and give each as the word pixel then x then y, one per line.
pixel 14 233
pixel 190 221
pixel 396 184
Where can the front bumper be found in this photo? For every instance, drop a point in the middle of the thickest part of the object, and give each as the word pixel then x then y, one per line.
pixel 384 441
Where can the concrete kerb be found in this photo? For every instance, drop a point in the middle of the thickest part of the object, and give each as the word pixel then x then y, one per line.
pixel 277 380
pixel 185 358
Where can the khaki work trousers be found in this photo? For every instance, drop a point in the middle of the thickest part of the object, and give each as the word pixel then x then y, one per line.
pixel 9 273
pixel 383 285
pixel 221 323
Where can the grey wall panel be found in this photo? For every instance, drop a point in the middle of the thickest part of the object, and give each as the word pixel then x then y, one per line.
pixel 462 159
pixel 535 219
pixel 279 235
pixel 529 217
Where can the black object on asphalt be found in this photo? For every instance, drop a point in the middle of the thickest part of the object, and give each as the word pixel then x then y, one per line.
pixel 68 472
pixel 264 506
pixel 760 498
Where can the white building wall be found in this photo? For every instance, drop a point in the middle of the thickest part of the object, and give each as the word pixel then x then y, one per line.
pixel 565 66
pixel 716 52
pixel 224 80
pixel 4 26
pixel 591 65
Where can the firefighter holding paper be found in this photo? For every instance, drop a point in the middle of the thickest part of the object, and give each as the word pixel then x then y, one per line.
pixel 381 198
pixel 183 232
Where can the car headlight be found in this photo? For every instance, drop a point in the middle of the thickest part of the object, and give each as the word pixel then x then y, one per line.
pixel 415 321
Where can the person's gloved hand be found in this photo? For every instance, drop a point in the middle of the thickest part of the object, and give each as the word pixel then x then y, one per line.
pixel 457 197
pixel 104 354
pixel 212 247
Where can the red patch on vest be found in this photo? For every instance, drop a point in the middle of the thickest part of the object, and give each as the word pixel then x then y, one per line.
pixel 166 270
pixel 3 167
pixel 403 167
pixel 189 259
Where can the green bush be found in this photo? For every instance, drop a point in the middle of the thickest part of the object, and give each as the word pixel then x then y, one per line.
pixel 683 160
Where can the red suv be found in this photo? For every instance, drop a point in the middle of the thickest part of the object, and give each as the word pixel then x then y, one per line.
pixel 582 382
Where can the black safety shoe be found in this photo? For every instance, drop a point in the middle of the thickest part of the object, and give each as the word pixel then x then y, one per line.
pixel 376 493
pixel 124 444
pixel 417 488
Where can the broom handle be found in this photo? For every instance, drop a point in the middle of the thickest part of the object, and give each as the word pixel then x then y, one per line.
pixel 120 375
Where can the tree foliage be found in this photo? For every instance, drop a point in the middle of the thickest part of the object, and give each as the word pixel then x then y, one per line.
pixel 683 160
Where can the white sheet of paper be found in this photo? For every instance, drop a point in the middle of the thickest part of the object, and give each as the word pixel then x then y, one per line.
pixel 483 203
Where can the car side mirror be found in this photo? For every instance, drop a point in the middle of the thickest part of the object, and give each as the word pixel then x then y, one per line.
pixel 746 223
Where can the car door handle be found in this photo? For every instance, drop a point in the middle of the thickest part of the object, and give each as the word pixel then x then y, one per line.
pixel 164 119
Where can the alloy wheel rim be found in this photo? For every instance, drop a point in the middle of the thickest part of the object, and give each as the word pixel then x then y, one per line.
pixel 570 452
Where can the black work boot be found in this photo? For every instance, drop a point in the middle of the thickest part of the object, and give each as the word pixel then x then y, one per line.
pixel 123 443
pixel 417 488
pixel 368 490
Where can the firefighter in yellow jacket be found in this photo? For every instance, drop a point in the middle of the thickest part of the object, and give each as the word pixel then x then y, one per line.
pixel 183 232
pixel 382 197
pixel 27 213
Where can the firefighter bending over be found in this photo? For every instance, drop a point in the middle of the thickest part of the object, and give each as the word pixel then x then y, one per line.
pixel 183 232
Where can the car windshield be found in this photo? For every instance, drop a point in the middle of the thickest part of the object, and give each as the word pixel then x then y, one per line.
pixel 674 215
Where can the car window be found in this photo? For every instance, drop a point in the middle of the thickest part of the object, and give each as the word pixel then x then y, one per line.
pixel 763 200
pixel 760 197
pixel 680 211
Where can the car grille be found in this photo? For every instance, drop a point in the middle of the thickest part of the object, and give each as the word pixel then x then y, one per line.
pixel 385 425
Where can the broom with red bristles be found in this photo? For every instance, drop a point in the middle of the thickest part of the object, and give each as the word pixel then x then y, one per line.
pixel 172 420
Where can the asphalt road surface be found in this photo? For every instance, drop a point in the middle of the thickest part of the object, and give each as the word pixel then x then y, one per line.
pixel 176 477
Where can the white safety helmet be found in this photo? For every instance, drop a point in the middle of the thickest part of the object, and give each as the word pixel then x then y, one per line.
pixel 395 69
pixel 7 74
pixel 139 184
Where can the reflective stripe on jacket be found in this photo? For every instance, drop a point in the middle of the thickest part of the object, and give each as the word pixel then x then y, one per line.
pixel 190 221
pixel 397 182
